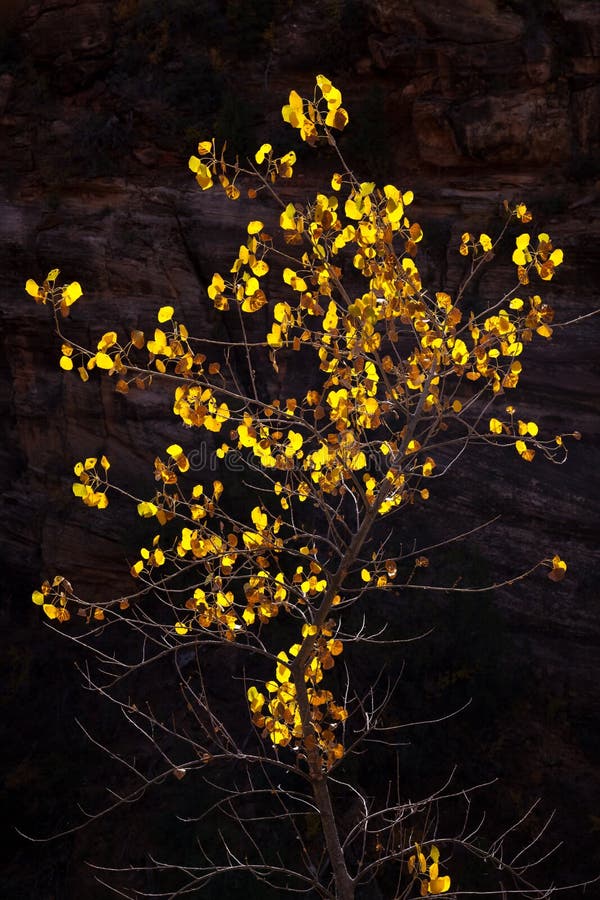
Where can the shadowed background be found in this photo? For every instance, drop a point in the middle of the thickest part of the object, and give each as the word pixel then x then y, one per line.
pixel 466 103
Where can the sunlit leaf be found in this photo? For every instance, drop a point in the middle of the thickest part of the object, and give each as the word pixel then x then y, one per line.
pixel 263 151
pixel 103 361
pixel 146 509
pixel 559 569
pixel 72 292
pixel 32 288
pixel 165 314
pixel 439 885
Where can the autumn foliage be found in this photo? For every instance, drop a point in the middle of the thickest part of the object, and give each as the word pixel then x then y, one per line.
pixel 401 382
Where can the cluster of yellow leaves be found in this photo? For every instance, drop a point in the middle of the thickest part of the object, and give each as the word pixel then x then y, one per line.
pixel 426 870
pixel 282 166
pixel 325 111
pixel 264 593
pixel 249 266
pixel 60 297
pixel 544 257
pixel 277 712
pixel 207 167
pixel 525 436
pixel 197 406
pixel 524 429
pixel 92 484
pixel 54 599
pixel 468 241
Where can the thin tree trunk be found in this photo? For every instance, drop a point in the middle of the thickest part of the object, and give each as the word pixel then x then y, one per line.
pixel 344 884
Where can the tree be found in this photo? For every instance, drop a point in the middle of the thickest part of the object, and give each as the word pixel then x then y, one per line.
pixel 276 588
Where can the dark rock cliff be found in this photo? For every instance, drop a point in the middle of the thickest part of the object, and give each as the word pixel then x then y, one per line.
pixel 464 102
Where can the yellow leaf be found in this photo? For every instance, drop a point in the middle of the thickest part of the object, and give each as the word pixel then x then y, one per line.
pixel 50 610
pixel 263 150
pixel 203 174
pixel 337 118
pixel 259 518
pixel 293 108
pixel 53 274
pixel 352 209
pixel 260 268
pixel 103 361
pixel 521 255
pixel 559 569
pixel 365 575
pixel 439 885
pixel 72 292
pixel 295 282
pixel 180 628
pixel 495 426
pixel 255 227
pixel 165 314
pixel 256 699
pixel 295 442
pixel 38 598
pixel 524 451
pixel 66 363
pixel 252 540
pixel 514 349
pixel 335 647
pixel 107 340
pixel 32 287
pixel 274 336
pixel 175 450
pixel 522 213
pixel 146 509
pixel 460 354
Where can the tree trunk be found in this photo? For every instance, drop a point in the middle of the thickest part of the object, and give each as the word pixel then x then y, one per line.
pixel 344 885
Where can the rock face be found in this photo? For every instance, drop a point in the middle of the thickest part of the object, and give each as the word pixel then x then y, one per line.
pixel 102 102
